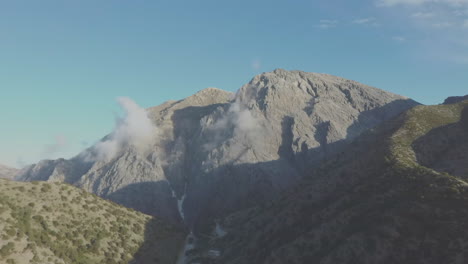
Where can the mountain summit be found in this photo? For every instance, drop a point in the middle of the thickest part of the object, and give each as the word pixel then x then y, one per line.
pixel 216 152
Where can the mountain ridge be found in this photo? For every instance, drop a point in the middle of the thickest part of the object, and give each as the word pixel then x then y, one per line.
pixel 214 139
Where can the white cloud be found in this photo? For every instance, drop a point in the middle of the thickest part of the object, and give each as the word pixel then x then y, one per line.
pixel 240 121
pixel 460 12
pixel 422 15
pixel 399 39
pixel 455 3
pixel 370 21
pixel 363 20
pixel 326 23
pixel 442 25
pixel 133 130
pixel 436 26
pixel 400 2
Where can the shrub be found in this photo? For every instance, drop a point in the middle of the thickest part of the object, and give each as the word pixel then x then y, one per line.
pixel 7 249
pixel 45 188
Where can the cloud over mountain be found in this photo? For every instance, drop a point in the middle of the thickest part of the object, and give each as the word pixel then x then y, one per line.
pixel 134 130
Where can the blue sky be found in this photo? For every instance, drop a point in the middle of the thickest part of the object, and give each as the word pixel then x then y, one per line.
pixel 63 63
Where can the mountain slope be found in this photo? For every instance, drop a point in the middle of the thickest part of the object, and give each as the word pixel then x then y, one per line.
pixel 215 152
pixel 7 172
pixel 377 202
pixel 57 223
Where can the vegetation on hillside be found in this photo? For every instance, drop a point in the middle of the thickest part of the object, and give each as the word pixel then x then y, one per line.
pixel 43 222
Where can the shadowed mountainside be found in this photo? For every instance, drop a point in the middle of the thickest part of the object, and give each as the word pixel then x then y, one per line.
pixel 374 203
pixel 455 99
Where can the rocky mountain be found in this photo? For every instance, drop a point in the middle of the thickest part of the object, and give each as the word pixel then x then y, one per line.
pixel 7 172
pixel 215 152
pixel 57 223
pixel 455 99
pixel 397 194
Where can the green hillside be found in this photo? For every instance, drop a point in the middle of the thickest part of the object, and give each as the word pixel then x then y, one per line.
pixel 44 222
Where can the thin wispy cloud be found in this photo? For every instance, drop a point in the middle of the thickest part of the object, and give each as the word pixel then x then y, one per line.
pixel 326 24
pixel 442 25
pixel 399 39
pixel 21 163
pixel 400 2
pixel 256 64
pixel 134 130
pixel 460 12
pixel 60 144
pixel 240 121
pixel 370 21
pixel 444 20
pixel 422 15
pixel 455 3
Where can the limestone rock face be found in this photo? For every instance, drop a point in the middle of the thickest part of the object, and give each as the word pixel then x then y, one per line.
pixel 7 172
pixel 218 152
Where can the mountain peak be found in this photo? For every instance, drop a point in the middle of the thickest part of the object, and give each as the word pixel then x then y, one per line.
pixel 211 90
pixel 281 87
pixel 207 96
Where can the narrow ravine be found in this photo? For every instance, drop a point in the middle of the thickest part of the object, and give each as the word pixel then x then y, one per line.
pixel 180 203
pixel 190 239
pixel 219 231
pixel 189 245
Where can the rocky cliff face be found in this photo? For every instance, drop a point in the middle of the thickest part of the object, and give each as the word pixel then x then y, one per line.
pixel 389 198
pixel 7 172
pixel 216 152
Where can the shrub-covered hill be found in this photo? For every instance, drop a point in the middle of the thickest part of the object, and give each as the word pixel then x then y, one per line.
pixel 44 222
pixel 398 194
